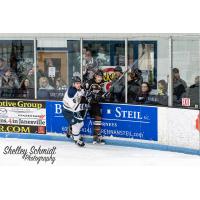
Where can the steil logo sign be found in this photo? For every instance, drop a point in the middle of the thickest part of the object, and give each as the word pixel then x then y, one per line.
pixel 127 114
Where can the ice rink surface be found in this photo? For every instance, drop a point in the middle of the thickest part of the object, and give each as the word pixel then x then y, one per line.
pixel 67 153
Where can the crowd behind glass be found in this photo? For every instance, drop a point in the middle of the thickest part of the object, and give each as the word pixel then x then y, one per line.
pixel 17 77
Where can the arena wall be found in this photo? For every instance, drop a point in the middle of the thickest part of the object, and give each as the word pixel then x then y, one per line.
pixel 151 127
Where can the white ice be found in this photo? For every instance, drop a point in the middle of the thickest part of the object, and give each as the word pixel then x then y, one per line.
pixel 67 153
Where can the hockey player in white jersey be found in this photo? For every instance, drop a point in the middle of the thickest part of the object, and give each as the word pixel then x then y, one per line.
pixel 74 102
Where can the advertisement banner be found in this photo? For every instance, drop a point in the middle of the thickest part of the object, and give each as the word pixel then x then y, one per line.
pixel 124 121
pixel 55 120
pixel 18 116
pixel 108 76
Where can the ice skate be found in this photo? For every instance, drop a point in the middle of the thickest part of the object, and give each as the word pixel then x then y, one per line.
pixel 95 140
pixel 68 135
pixel 98 140
pixel 80 143
pixel 69 132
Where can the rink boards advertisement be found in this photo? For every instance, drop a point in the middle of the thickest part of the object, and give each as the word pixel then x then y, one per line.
pixel 124 121
pixel 151 127
pixel 18 116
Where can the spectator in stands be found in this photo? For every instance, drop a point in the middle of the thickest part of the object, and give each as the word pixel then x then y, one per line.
pixel 30 75
pixel 102 59
pixel 134 83
pixel 9 83
pixel 142 96
pixel 162 87
pixel 3 67
pixel 179 86
pixel 44 84
pixel 193 93
pixel 26 91
pixel 117 89
pixel 162 97
pixel 44 87
pixel 10 80
pixel 90 66
pixel 60 85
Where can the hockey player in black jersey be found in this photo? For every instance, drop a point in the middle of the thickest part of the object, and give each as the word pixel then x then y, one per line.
pixel 95 88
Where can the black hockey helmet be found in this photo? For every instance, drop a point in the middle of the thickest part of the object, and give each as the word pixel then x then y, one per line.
pixel 99 73
pixel 76 79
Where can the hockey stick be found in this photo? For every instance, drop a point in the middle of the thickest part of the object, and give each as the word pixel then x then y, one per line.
pixel 124 73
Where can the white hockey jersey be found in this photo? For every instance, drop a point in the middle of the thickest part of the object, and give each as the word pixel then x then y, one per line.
pixel 72 100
